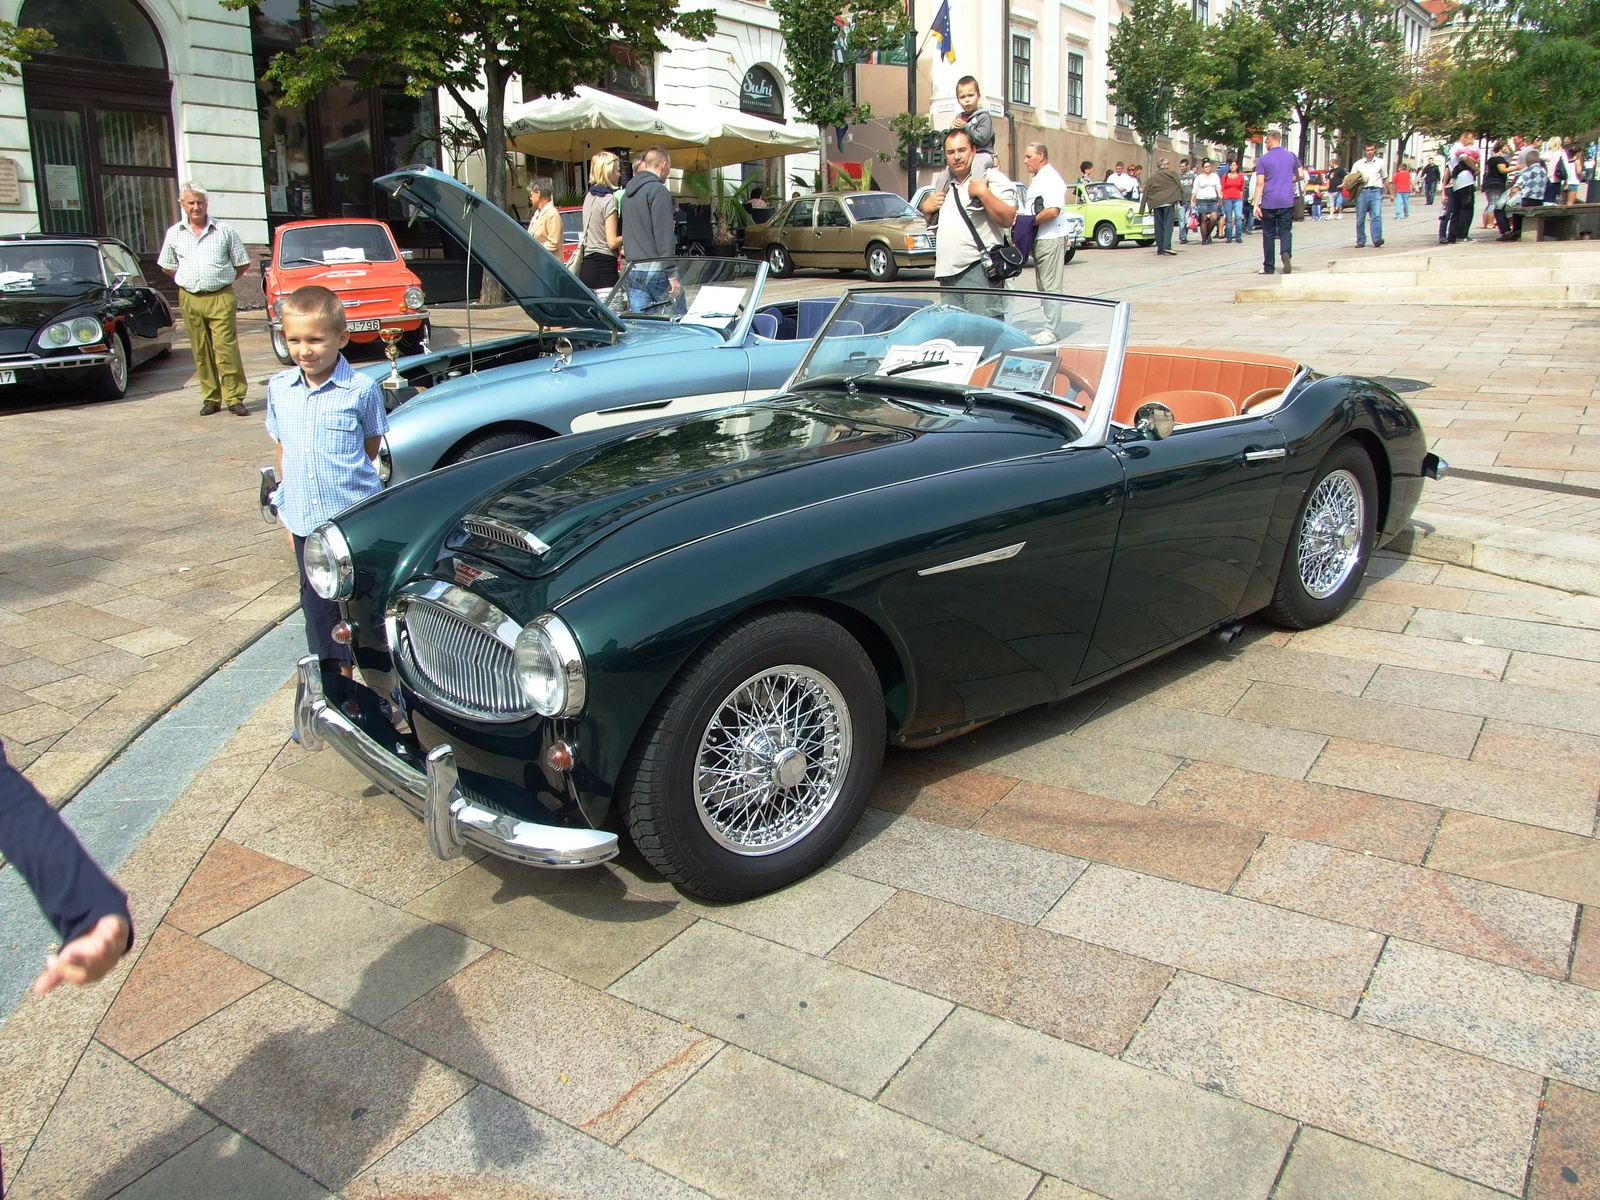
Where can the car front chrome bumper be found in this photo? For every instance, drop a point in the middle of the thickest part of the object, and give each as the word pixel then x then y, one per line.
pixel 97 357
pixel 454 815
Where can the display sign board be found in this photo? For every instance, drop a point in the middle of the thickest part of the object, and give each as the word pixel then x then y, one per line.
pixel 10 188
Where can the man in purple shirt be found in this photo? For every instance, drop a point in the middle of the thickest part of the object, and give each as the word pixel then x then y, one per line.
pixel 1277 173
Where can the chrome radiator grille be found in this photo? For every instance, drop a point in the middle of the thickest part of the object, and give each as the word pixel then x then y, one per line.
pixel 462 662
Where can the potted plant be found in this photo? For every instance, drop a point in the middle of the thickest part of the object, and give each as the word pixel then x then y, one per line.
pixel 726 202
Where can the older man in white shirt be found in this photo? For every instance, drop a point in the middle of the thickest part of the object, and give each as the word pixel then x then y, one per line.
pixel 1049 192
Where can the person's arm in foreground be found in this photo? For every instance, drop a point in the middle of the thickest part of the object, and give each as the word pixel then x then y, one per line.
pixel 86 908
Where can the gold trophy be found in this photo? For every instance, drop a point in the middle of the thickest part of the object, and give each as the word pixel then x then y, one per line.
pixel 394 381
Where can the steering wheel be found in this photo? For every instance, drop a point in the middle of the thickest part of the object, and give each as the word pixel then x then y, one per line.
pixel 1080 386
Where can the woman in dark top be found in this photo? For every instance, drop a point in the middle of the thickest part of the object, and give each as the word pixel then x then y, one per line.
pixel 602 233
pixel 1496 174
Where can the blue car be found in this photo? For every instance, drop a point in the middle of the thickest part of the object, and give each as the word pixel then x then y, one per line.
pixel 674 336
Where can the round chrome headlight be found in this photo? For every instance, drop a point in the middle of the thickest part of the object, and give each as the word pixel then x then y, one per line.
pixel 86 330
pixel 327 561
pixel 549 667
pixel 413 297
pixel 57 335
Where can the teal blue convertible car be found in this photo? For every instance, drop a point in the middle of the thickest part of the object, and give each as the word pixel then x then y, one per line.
pixel 675 336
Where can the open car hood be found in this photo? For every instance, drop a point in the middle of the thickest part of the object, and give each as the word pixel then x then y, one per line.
pixel 530 274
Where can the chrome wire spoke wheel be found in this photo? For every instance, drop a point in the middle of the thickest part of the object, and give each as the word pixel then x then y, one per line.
pixel 1330 535
pixel 772 760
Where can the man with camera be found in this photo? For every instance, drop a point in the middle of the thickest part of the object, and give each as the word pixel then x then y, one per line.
pixel 975 211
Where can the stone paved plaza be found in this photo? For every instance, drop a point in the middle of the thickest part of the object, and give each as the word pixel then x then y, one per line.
pixel 1300 916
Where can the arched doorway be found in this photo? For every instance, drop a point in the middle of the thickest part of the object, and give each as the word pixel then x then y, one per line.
pixel 100 123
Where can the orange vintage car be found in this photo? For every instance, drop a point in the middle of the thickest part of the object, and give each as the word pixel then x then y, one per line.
pixel 357 259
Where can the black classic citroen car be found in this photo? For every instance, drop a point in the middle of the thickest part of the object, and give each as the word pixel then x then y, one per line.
pixel 76 314
pixel 706 630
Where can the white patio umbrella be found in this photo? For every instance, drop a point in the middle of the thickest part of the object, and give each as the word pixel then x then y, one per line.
pixel 571 128
pixel 726 135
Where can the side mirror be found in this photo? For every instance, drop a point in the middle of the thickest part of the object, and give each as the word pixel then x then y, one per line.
pixel 120 279
pixel 1155 420
pixel 408 255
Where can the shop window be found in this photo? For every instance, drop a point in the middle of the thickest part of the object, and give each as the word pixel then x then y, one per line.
pixel 633 76
pixel 109 31
pixel 1021 69
pixel 345 116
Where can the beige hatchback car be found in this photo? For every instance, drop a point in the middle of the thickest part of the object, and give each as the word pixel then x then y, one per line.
pixel 876 231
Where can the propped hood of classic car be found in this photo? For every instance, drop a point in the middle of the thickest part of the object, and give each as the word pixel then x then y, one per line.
pixel 671 483
pixel 530 274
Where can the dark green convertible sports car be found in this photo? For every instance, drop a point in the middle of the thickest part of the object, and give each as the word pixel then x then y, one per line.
pixel 705 631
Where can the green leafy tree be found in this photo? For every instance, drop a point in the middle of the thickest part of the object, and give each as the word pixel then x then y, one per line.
pixel 1349 62
pixel 814 42
pixel 464 45
pixel 1530 65
pixel 1242 80
pixel 1151 55
pixel 19 45
pixel 1427 101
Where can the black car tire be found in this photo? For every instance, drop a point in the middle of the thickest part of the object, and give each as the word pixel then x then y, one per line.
pixel 488 444
pixel 411 341
pixel 1322 569
pixel 779 261
pixel 280 348
pixel 112 381
pixel 881 266
pixel 1069 255
pixel 1147 242
pixel 1106 236
pixel 837 684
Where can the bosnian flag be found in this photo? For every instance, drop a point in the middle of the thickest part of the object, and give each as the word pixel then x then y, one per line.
pixel 941 32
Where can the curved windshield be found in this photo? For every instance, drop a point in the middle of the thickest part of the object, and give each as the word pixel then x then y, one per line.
pixel 26 266
pixel 1057 349
pixel 1102 191
pixel 692 291
pixel 331 245
pixel 880 206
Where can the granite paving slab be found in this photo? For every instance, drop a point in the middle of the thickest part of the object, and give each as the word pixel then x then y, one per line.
pixel 344 948
pixel 317 1088
pixel 1288 954
pixel 1189 849
pixel 846 1027
pixel 1265 662
pixel 918 785
pixel 1519 856
pixel 223 1164
pixel 229 880
pixel 1586 950
pixel 1538 749
pixel 974 870
pixel 1131 774
pixel 487 1146
pixel 587 1059
pixel 1228 741
pixel 1429 655
pixel 1312 812
pixel 1555 708
pixel 1436 1105
pixel 813 915
pixel 745 1128
pixel 1325 1166
pixel 177 982
pixel 1538 1024
pixel 1485 920
pixel 1068 988
pixel 1374 721
pixel 1086 1118
pixel 1541 637
pixel 1550 671
pixel 580 927
pixel 111 1125
pixel 1566 1160
pixel 1552 800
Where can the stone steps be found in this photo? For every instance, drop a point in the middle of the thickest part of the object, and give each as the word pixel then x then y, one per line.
pixel 1504 275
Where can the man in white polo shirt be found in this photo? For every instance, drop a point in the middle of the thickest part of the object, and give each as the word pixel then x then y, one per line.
pixel 205 257
pixel 1049 196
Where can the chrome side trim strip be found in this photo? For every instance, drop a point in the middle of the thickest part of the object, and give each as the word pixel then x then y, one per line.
pixel 976 560
pixel 454 816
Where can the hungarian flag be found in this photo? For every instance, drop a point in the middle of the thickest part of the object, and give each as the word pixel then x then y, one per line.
pixel 941 32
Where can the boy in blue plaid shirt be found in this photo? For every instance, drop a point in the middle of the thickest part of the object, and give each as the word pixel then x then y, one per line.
pixel 327 421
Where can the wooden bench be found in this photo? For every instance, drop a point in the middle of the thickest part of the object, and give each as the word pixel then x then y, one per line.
pixel 1563 222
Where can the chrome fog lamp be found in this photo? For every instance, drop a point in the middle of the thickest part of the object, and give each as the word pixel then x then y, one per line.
pixel 413 297
pixel 549 667
pixel 329 570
